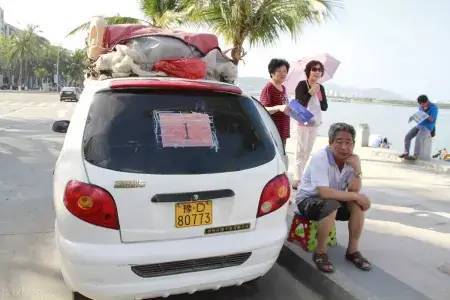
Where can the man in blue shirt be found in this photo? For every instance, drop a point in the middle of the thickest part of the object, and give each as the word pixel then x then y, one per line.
pixel 423 129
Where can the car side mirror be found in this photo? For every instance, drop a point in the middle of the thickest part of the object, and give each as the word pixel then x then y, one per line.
pixel 60 126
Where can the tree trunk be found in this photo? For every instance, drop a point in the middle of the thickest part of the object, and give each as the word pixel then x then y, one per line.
pixel 27 75
pixel 20 75
pixel 237 52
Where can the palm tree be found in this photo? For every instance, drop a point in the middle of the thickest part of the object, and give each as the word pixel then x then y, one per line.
pixel 4 57
pixel 259 22
pixel 110 21
pixel 77 65
pixel 166 13
pixel 160 13
pixel 237 21
pixel 28 56
pixel 41 73
pixel 8 63
pixel 24 48
pixel 3 50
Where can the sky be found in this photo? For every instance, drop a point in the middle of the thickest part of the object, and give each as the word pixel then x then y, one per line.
pixel 399 45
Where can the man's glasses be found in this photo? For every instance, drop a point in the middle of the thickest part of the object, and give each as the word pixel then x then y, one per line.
pixel 316 69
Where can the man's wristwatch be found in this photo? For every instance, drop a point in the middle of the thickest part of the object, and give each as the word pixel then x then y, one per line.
pixel 358 174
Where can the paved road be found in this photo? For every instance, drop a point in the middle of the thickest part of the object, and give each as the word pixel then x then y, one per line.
pixel 28 266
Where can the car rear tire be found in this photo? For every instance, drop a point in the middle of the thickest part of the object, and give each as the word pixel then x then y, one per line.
pixel 78 296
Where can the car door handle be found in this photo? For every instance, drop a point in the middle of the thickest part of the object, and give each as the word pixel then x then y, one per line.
pixel 193 196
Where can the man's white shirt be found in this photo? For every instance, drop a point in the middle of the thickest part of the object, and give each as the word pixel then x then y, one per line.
pixel 322 171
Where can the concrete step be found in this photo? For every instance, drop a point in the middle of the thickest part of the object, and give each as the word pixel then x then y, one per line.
pixel 347 282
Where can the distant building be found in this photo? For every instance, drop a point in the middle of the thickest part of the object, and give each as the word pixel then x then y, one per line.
pixel 5 28
pixel 2 21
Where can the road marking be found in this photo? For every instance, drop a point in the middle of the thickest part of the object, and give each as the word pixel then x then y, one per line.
pixel 12 112
pixel 409 210
pixel 429 236
pixel 61 113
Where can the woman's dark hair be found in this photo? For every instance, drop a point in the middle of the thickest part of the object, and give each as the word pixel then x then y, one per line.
pixel 275 63
pixel 422 99
pixel 312 64
pixel 337 127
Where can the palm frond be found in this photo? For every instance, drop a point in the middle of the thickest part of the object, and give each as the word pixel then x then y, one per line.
pixel 165 13
pixel 124 20
pixel 262 21
pixel 115 20
pixel 82 27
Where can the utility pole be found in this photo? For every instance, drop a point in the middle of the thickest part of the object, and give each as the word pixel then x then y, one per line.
pixel 57 72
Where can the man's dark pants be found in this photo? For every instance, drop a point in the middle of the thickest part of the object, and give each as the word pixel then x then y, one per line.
pixel 316 209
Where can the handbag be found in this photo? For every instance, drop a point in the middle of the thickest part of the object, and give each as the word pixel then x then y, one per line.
pixel 298 112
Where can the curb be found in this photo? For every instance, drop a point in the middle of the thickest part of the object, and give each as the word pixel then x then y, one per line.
pixel 347 282
pixel 311 277
pixel 437 166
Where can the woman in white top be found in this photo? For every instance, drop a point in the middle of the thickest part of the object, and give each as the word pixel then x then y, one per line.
pixel 311 95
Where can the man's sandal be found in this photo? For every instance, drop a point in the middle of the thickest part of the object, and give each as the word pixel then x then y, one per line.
pixel 322 262
pixel 359 261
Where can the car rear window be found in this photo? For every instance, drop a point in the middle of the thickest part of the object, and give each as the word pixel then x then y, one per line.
pixel 167 132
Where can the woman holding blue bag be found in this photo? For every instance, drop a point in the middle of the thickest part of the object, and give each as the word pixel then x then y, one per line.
pixel 311 95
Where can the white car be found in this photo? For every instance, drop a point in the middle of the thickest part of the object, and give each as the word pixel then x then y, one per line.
pixel 167 186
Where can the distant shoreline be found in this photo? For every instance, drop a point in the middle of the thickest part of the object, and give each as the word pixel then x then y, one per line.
pixel 384 102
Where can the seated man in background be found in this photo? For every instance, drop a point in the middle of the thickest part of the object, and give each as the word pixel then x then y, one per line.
pixel 330 190
pixel 423 130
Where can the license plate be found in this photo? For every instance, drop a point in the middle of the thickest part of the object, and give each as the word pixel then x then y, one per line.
pixel 189 214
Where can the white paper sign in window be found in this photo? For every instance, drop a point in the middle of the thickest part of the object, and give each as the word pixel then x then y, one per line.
pixel 182 129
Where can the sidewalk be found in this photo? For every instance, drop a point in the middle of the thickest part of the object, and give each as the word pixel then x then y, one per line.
pixel 28 92
pixel 406 236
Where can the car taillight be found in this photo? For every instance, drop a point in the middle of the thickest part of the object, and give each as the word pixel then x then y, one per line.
pixel 92 204
pixel 274 195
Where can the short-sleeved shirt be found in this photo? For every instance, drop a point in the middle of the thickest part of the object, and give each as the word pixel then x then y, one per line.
pixel 322 171
pixel 271 96
pixel 432 111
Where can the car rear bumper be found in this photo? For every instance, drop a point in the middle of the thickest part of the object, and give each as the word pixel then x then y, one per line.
pixel 104 271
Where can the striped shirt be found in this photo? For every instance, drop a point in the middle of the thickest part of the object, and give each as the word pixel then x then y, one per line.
pixel 271 96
